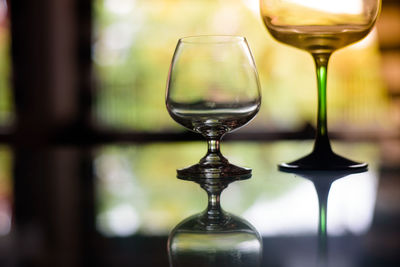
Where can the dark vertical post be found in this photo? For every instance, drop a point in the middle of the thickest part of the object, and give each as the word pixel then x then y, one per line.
pixel 53 186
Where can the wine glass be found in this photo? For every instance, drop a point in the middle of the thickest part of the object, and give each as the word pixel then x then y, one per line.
pixel 320 27
pixel 212 89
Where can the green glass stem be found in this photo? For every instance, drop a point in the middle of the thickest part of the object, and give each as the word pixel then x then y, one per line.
pixel 322 143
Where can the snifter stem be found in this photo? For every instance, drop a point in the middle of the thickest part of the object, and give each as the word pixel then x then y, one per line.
pixel 213 156
pixel 213 146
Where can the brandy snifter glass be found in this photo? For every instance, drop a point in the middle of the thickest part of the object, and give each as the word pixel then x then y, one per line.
pixel 213 89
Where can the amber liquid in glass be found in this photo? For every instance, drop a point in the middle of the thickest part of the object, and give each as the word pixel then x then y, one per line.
pixel 318 39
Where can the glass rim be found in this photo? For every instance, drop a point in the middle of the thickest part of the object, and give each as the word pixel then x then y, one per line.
pixel 212 39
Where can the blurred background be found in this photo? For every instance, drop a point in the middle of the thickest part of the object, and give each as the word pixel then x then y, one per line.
pixel 88 151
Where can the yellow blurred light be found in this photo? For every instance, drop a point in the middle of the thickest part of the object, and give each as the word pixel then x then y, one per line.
pixel 336 6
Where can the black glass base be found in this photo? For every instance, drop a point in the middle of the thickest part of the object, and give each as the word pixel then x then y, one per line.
pixel 323 161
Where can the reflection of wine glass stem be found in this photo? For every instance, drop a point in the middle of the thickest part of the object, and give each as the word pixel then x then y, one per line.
pixel 323 193
pixel 322 141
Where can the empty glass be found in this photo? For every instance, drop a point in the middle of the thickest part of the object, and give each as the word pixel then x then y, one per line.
pixel 212 89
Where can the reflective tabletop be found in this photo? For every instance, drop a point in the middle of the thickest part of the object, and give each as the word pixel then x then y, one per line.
pixel 304 219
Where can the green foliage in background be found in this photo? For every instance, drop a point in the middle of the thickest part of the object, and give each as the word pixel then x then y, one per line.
pixel 6 101
pixel 134 42
pixel 6 191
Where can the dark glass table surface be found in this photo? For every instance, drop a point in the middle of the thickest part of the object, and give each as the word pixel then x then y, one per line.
pixel 137 210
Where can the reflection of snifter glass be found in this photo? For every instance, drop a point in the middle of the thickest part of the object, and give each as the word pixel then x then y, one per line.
pixel 213 89
pixel 214 238
pixel 320 27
